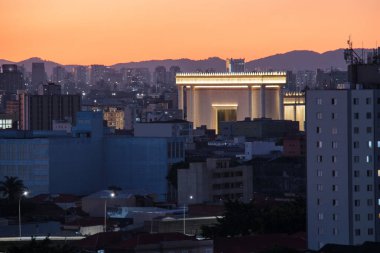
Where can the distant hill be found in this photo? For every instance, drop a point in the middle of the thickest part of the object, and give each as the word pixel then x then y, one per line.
pixel 294 60
pixel 186 65
pixel 300 60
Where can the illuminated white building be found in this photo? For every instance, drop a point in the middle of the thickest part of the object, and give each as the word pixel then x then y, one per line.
pixel 208 98
pixel 294 107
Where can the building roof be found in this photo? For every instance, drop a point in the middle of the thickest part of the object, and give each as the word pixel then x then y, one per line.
pixel 259 243
pixel 144 239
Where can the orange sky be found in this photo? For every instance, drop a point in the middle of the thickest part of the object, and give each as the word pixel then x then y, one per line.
pixel 112 31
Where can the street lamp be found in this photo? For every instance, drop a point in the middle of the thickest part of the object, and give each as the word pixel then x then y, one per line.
pixel 184 215
pixel 111 195
pixel 24 193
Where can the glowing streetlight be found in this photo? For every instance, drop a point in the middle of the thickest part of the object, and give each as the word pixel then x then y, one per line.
pixel 24 194
pixel 111 195
pixel 184 215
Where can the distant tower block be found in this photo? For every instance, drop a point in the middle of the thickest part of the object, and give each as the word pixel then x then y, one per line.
pixel 208 98
pixel 235 65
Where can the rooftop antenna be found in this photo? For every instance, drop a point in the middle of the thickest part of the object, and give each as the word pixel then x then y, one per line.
pixel 350 56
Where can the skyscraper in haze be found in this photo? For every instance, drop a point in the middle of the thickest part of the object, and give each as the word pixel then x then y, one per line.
pixel 235 65
pixel 38 74
pixel 160 76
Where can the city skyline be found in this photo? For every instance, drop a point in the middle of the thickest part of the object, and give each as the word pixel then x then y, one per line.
pixel 89 32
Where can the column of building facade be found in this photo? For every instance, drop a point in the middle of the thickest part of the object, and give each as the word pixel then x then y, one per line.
pixel 180 100
pixel 250 101
pixel 281 104
pixel 262 101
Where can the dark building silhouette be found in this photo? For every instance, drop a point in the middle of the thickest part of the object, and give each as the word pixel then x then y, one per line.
pixel 38 74
pixel 11 79
pixel 49 89
pixel 160 76
pixel 37 112
pixel 235 65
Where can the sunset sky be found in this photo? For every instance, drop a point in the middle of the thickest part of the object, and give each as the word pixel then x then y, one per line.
pixel 112 31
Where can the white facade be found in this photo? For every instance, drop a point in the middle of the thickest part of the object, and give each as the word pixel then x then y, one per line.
pixel 342 177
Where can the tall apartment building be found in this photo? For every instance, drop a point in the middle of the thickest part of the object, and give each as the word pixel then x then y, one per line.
pixel 343 156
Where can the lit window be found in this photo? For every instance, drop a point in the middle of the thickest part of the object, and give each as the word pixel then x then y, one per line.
pixel 370 144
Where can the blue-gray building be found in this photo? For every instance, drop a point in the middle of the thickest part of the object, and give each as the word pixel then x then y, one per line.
pixel 89 160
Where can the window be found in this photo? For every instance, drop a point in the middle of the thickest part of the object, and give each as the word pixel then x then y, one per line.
pixel 356 188
pixel 319 130
pixel 333 159
pixel 334 101
pixel 369 173
pixel 334 217
pixel 370 216
pixel 335 231
pixel 334 173
pixel 334 188
pixel 368 159
pixel 369 188
pixel 356 144
pixel 370 231
pixel 356 101
pixel 369 130
pixel 319 173
pixel 356 173
pixel 357 202
pixel 319 115
pixel 319 158
pixel 357 217
pixel 335 202
pixel 333 115
pixel 318 202
pixel 368 101
pixel 357 232
pixel 319 187
pixel 356 159
pixel 369 144
pixel 356 130
pixel 319 101
pixel 334 144
pixel 378 144
pixel 334 130
pixel 368 115
pixel 369 202
pixel 378 173
pixel 319 144
pixel 320 216
pixel 356 115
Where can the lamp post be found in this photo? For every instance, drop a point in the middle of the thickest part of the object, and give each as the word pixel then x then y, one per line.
pixel 111 195
pixel 24 193
pixel 184 215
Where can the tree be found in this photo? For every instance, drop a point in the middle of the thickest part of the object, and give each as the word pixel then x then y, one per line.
pixel 11 188
pixel 244 219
